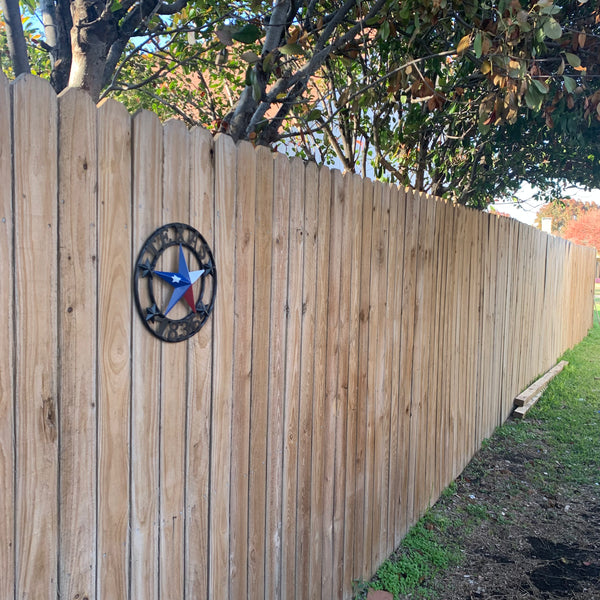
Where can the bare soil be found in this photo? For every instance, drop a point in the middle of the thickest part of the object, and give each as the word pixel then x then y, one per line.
pixel 521 533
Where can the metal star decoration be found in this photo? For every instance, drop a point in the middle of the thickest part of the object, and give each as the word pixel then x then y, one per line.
pixel 182 282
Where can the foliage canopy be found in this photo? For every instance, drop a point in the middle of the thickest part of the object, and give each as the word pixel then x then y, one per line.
pixel 461 98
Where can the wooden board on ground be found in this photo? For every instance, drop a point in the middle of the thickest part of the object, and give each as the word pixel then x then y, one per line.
pixel 526 396
pixel 525 400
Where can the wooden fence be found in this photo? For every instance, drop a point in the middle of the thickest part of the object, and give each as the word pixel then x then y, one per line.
pixel 364 341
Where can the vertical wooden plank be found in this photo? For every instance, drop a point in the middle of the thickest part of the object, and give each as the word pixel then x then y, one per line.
pixel 320 385
pixel 242 378
pixel 331 394
pixel 418 366
pixel 457 394
pixel 261 319
pixel 379 264
pixel 362 520
pixel 473 312
pixel 78 177
pixel 37 410
pixel 483 342
pixel 443 355
pixel 372 516
pixel 514 314
pixel 393 312
pixel 355 199
pixel 341 410
pixel 200 371
pixel 398 419
pixel 492 363
pixel 497 307
pixel 292 378
pixel 429 400
pixel 7 384
pixel 411 225
pixel 438 316
pixel 174 376
pixel 305 416
pixel 224 319
pixel 279 284
pixel 114 345
pixel 418 418
pixel 447 350
pixel 147 156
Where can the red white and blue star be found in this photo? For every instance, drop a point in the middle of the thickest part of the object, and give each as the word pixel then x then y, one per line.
pixel 182 282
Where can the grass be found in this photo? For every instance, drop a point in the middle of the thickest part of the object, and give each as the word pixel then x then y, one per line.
pixel 560 434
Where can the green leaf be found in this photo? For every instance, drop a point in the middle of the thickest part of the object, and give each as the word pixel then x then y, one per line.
pixel 268 62
pixel 533 98
pixel 256 91
pixel 250 75
pixel 384 31
pixel 550 10
pixel 541 86
pixel 573 60
pixel 570 84
pixel 477 45
pixel 552 29
pixel 250 57
pixel 291 49
pixel 247 34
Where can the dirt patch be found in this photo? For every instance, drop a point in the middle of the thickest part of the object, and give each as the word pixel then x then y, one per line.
pixel 519 538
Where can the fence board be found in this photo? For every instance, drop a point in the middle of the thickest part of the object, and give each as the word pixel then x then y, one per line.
pixel 341 407
pixel 292 377
pixel 7 384
pixel 242 379
pixel 147 350
pixel 379 264
pixel 277 366
pixel 307 372
pixel 331 390
pixel 261 319
pixel 392 311
pixel 398 418
pixel 415 299
pixel 200 361
pixel 434 401
pixel 406 353
pixel 78 178
pixel 224 249
pixel 36 412
pixel 362 521
pixel 355 198
pixel 173 379
pixel 320 385
pixel 114 327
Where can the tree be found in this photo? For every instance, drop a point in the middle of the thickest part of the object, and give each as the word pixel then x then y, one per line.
pixel 585 230
pixel 460 98
pixel 563 212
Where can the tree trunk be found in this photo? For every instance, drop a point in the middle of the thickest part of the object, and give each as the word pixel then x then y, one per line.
pixel 15 37
pixel 61 52
pixel 92 33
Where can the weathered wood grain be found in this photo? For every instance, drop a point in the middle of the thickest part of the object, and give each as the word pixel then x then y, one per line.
pixel 7 383
pixel 78 214
pixel 147 156
pixel 200 395
pixel 114 348
pixel 36 366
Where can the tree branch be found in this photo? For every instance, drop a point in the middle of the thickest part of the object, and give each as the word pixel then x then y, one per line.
pixel 17 48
